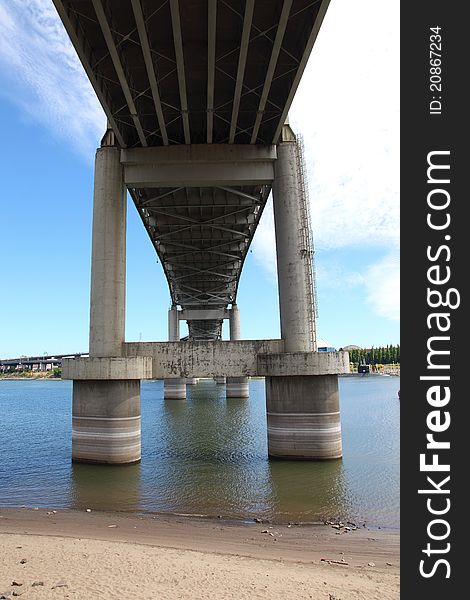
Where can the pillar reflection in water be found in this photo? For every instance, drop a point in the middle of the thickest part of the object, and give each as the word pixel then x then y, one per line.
pixel 213 455
pixel 106 487
pixel 321 495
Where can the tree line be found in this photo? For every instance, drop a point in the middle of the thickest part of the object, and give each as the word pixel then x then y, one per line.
pixel 383 355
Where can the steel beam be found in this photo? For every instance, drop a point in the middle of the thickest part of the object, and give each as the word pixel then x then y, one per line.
pixel 230 190
pixel 283 19
pixel 178 41
pixel 211 40
pixel 100 14
pixel 144 42
pixel 247 20
pixel 301 68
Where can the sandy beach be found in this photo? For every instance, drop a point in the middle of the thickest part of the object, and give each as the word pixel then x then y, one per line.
pixel 79 554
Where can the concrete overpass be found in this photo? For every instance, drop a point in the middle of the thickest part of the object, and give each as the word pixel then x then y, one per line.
pixel 41 362
pixel 197 96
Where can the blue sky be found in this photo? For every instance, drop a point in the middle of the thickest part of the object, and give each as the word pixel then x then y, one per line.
pixel 51 123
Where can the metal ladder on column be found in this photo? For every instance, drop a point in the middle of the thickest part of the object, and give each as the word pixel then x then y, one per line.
pixel 307 240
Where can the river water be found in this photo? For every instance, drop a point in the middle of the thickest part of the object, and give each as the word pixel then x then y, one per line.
pixel 206 456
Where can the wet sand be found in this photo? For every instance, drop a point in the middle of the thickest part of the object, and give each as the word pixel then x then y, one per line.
pixel 79 554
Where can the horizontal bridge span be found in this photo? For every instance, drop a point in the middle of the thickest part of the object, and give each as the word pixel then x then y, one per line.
pixel 244 358
pixel 199 153
pixel 199 165
pixel 204 359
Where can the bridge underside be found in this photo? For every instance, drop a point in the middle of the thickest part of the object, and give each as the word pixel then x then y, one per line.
pixel 197 93
pixel 199 71
pixel 196 74
pixel 202 235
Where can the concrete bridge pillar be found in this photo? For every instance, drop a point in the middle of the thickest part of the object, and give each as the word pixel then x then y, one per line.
pixel 302 411
pixel 106 412
pixel 236 387
pixel 174 389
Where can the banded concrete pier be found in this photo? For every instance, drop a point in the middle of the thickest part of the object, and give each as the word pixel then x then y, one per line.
pixel 236 387
pixel 174 388
pixel 198 137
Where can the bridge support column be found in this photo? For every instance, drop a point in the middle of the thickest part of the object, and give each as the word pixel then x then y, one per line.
pixel 106 421
pixel 106 412
pixel 108 260
pixel 302 410
pixel 175 388
pixel 303 417
pixel 236 387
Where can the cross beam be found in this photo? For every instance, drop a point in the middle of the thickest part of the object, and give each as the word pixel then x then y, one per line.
pixel 199 165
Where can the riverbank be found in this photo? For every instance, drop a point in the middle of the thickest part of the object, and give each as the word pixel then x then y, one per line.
pixel 81 554
pixel 35 377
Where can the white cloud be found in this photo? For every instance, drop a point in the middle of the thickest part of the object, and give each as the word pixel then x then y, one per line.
pixel 43 76
pixel 382 282
pixel 264 242
pixel 347 110
pixel 333 274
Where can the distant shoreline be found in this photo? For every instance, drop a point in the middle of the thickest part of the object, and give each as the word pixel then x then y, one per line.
pixel 2 378
pixel 368 375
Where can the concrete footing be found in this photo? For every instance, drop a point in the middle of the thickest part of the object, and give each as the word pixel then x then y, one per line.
pixel 237 387
pixel 174 389
pixel 106 421
pixel 303 417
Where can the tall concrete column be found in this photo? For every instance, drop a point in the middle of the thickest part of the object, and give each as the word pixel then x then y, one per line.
pixel 236 387
pixel 234 323
pixel 295 305
pixel 174 389
pixel 173 325
pixel 302 411
pixel 108 259
pixel 106 414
